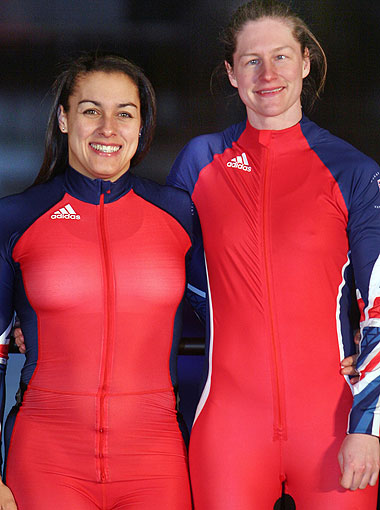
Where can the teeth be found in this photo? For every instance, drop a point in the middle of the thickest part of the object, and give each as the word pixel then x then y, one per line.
pixel 270 91
pixel 105 148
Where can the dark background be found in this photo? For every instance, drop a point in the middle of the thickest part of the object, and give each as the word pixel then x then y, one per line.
pixel 176 42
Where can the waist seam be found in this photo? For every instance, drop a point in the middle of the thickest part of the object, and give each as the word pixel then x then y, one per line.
pixel 95 394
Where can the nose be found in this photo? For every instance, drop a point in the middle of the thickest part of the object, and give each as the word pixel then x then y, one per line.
pixel 268 71
pixel 107 127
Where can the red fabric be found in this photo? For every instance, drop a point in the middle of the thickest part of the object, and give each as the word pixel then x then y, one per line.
pixel 276 406
pixel 99 413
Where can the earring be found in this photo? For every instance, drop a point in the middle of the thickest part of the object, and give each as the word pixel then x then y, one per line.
pixel 140 132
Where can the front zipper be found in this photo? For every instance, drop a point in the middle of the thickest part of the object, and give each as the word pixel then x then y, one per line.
pixel 108 339
pixel 279 415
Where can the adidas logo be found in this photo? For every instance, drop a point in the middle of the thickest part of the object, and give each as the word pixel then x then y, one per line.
pixel 240 162
pixel 65 213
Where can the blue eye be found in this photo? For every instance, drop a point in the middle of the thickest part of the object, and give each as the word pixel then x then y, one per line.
pixel 280 57
pixel 254 62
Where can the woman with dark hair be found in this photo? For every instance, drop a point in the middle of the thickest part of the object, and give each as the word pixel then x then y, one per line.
pixel 56 148
pixel 288 213
pixel 94 251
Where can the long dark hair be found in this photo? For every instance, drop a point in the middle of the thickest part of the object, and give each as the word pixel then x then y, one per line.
pixel 314 83
pixel 56 147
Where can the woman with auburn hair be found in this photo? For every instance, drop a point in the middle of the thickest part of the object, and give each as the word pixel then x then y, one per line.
pixel 288 213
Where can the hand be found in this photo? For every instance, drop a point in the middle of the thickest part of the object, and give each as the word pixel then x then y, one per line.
pixel 7 501
pixel 348 365
pixel 359 460
pixel 19 340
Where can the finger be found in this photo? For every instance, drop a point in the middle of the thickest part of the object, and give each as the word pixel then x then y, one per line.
pixel 346 479
pixel 20 345
pixel 350 361
pixel 357 337
pixel 359 475
pixel 373 478
pixel 349 371
pixel 365 479
pixel 17 333
pixel 19 341
pixel 22 349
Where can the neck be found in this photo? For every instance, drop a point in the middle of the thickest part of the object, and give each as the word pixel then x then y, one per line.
pixel 277 122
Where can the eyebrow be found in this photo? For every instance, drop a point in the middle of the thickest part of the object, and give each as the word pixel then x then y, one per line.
pixel 283 48
pixel 96 103
pixel 275 50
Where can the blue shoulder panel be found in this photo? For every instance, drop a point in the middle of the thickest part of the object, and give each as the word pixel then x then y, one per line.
pixel 175 202
pixel 198 153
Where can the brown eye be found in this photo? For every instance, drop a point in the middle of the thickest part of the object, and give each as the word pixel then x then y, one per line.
pixel 90 111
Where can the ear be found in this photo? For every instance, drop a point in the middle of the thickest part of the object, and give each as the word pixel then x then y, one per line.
pixel 62 119
pixel 306 63
pixel 230 73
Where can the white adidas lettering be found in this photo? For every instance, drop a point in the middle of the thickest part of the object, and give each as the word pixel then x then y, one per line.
pixel 240 162
pixel 65 213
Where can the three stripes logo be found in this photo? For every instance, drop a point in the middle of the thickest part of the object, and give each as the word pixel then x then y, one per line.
pixel 65 213
pixel 240 162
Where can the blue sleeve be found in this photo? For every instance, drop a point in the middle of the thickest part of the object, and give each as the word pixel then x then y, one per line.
pixel 364 238
pixel 7 275
pixel 183 175
pixel 196 291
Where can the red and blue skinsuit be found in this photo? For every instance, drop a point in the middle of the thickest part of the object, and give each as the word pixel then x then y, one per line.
pixel 287 218
pixel 98 267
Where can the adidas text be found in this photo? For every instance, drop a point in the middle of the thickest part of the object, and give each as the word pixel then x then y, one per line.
pixel 61 216
pixel 240 166
pixel 65 213
pixel 240 162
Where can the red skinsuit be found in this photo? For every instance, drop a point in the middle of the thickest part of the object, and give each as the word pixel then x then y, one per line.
pixel 280 211
pixel 98 428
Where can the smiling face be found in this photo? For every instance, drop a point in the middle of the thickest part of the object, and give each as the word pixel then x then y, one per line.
pixel 103 124
pixel 268 71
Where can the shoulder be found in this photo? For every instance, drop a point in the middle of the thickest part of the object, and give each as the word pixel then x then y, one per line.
pixel 204 147
pixel 19 211
pixel 200 152
pixel 34 194
pixel 357 175
pixel 336 153
pixel 173 201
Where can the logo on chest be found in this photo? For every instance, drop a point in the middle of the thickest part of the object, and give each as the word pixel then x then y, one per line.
pixel 240 162
pixel 65 213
